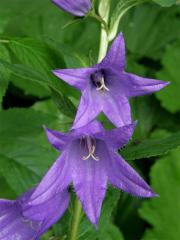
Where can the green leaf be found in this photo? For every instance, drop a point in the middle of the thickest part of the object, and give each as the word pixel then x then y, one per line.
pixel 152 147
pixel 111 233
pixel 163 213
pixel 64 104
pixel 6 191
pixel 152 37
pixel 23 142
pixel 141 108
pixel 169 97
pixel 20 178
pixel 4 73
pixel 165 3
pixel 36 55
pixel 121 8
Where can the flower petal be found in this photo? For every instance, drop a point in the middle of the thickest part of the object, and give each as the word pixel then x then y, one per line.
pixel 115 57
pixel 48 212
pixel 118 137
pixel 13 225
pixel 123 176
pixel 90 180
pixel 90 106
pixel 57 139
pixel 137 86
pixel 117 109
pixel 56 180
pixel 91 128
pixel 78 77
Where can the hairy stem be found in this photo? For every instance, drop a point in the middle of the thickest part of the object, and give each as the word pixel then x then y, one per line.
pixel 76 220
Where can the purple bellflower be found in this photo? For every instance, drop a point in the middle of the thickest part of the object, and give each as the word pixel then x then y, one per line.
pixel 14 225
pixel 106 87
pixel 75 7
pixel 89 160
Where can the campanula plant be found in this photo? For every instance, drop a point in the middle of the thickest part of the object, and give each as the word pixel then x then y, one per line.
pixel 89 157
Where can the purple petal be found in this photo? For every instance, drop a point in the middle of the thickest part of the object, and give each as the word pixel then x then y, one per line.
pixel 137 86
pixel 123 176
pixel 117 109
pixel 117 137
pixel 91 128
pixel 16 223
pixel 48 212
pixel 13 225
pixel 76 8
pixel 57 139
pixel 90 106
pixel 116 55
pixel 90 180
pixel 78 78
pixel 56 180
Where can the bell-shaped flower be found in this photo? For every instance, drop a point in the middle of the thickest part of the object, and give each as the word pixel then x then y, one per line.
pixel 107 87
pixel 75 7
pixel 14 225
pixel 89 159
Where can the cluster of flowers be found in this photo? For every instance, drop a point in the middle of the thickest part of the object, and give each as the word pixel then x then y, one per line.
pixel 89 157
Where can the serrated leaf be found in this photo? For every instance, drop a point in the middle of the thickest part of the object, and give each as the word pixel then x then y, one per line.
pixel 152 147
pixel 163 212
pixel 165 3
pixel 169 97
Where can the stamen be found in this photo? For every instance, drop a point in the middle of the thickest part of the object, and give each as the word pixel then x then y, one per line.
pixel 103 86
pixel 91 154
pixel 91 146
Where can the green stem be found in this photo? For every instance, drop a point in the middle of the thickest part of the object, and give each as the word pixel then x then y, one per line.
pixel 76 220
pixel 4 41
pixel 99 19
pixel 103 44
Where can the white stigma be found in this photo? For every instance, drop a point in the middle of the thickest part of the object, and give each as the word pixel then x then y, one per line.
pixel 103 86
pixel 91 148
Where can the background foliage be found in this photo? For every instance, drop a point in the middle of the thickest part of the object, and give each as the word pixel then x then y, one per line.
pixel 33 43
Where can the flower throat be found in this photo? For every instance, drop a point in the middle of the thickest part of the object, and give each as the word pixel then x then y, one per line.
pixel 98 80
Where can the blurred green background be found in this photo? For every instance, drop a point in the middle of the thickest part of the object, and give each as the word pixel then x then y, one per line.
pixel 32 43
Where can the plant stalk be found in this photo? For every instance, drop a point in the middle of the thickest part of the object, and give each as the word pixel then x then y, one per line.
pixel 103 44
pixel 76 220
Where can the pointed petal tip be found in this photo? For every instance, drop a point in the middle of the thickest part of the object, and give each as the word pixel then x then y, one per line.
pixel 150 194
pixel 167 83
pixel 55 72
pixel 163 84
pixel 95 222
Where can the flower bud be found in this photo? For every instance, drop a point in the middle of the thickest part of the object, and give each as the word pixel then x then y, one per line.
pixel 75 7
